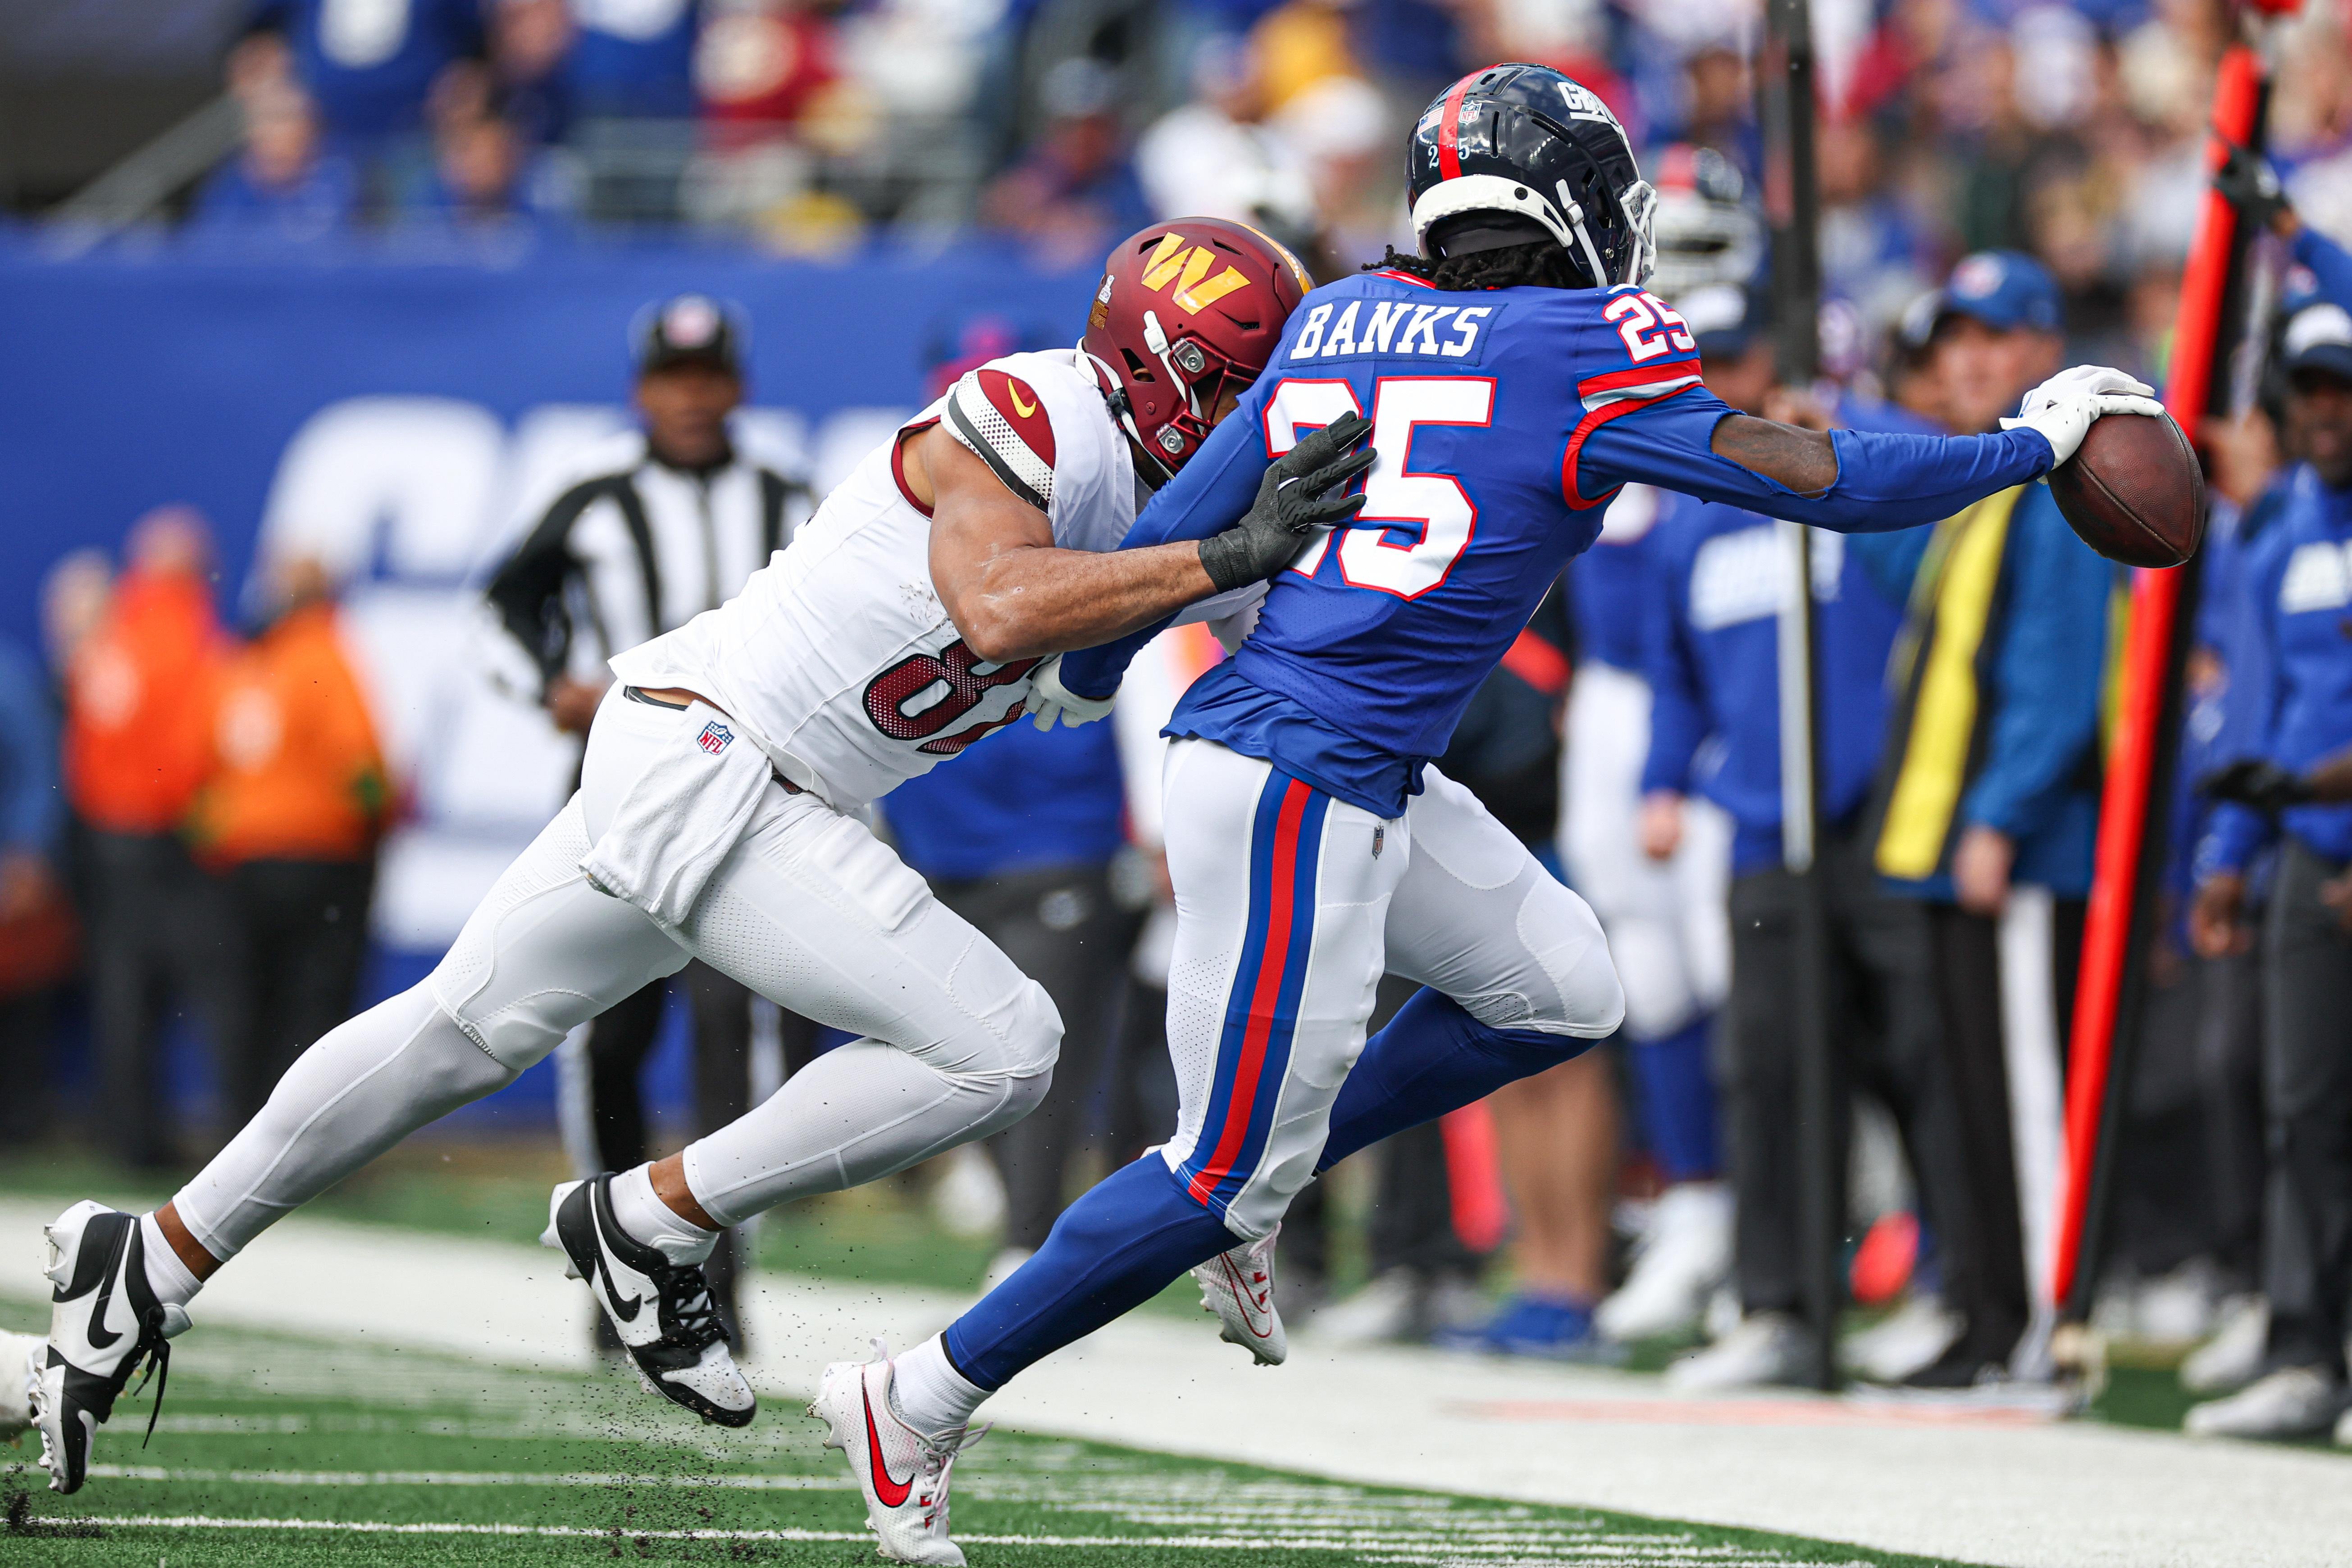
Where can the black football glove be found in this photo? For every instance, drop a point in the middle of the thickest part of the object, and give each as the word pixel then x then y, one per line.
pixel 1292 505
pixel 2248 182
pixel 2264 786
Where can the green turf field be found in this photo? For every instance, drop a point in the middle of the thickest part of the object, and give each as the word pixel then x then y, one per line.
pixel 274 1450
pixel 883 1234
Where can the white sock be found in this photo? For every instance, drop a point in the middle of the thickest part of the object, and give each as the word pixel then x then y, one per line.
pixel 932 1396
pixel 168 1278
pixel 644 1216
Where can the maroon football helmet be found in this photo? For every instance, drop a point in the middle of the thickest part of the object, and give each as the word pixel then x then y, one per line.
pixel 1188 310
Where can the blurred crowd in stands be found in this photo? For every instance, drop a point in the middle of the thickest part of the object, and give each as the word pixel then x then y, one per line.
pixel 2007 188
pixel 809 125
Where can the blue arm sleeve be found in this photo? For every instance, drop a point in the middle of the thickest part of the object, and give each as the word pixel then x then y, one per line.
pixel 1678 716
pixel 30 812
pixel 1886 479
pixel 2329 262
pixel 1207 496
pixel 2046 673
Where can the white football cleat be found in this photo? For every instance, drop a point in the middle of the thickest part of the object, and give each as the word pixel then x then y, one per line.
pixel 1908 1340
pixel 679 1348
pixel 1237 1285
pixel 2293 1402
pixel 1764 1348
pixel 104 1323
pixel 1685 1253
pixel 2233 1358
pixel 21 1356
pixel 904 1475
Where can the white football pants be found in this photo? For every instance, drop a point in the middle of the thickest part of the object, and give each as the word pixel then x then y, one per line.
pixel 1290 906
pixel 1668 920
pixel 809 910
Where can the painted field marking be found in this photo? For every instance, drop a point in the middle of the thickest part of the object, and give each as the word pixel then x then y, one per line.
pixel 1204 1511
pixel 468 1479
pixel 1664 1554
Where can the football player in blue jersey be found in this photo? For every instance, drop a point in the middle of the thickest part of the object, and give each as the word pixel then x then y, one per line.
pixel 1515 373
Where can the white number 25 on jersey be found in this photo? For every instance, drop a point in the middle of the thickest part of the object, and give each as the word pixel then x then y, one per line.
pixel 1649 325
pixel 1395 498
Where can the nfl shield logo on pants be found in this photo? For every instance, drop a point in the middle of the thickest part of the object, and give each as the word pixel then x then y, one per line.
pixel 714 738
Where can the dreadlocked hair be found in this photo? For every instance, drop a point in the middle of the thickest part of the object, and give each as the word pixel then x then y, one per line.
pixel 1542 264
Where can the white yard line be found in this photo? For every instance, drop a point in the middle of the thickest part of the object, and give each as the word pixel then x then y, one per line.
pixel 841 1483
pixel 1938 1480
pixel 1637 1552
pixel 377 1527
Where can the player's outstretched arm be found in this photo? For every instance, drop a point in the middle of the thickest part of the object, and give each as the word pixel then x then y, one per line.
pixel 1856 481
pixel 1231 477
pixel 1015 595
pixel 1009 590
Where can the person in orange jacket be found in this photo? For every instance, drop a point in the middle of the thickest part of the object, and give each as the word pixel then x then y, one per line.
pixel 137 747
pixel 289 819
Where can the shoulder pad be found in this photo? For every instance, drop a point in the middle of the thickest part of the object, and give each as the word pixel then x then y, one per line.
pixel 1002 420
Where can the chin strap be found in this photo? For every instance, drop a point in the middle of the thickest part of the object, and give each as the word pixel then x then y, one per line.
pixel 1636 203
pixel 1572 210
pixel 1122 413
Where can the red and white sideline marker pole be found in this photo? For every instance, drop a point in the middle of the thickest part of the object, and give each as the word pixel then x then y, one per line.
pixel 2120 923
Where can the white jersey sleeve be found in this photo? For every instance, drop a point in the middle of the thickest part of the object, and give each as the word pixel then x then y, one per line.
pixel 837 657
pixel 1039 424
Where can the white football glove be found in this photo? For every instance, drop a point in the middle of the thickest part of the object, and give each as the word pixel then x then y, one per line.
pixel 1049 698
pixel 2062 408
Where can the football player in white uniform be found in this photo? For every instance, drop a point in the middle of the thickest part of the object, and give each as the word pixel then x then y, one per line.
pixel 720 816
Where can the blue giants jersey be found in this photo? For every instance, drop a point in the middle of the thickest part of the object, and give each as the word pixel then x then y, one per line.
pixel 1506 420
pixel 1478 409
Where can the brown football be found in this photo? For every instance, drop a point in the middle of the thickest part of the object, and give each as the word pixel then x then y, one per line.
pixel 2134 492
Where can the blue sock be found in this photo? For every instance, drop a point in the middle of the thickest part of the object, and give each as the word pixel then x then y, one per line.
pixel 1678 1102
pixel 1112 1250
pixel 1432 1058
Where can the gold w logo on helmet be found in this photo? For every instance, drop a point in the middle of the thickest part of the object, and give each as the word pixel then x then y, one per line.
pixel 1187 268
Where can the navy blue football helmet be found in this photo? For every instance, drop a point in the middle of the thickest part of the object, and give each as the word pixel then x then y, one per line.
pixel 1514 145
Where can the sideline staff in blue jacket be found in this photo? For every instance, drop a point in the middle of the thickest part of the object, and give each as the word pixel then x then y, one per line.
pixel 1992 773
pixel 2298 578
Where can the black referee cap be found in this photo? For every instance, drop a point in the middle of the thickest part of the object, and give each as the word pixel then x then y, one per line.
pixel 688 327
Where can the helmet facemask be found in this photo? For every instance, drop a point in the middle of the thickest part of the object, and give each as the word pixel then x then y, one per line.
pixel 1198 372
pixel 1639 202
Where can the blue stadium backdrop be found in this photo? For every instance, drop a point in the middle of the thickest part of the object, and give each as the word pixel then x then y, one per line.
pixel 403 418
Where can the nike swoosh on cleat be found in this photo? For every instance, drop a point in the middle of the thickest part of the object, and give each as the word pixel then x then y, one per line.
pixel 624 1309
pixel 891 1491
pixel 97 1332
pixel 1250 1321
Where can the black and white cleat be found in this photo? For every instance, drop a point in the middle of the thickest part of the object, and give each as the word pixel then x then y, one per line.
pixel 104 1324
pixel 663 1312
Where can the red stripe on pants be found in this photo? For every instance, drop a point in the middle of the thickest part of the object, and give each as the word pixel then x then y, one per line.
pixel 1264 998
